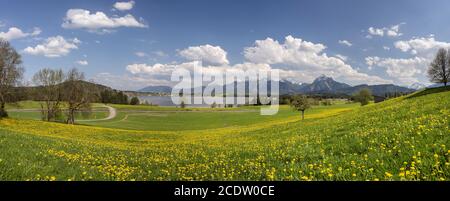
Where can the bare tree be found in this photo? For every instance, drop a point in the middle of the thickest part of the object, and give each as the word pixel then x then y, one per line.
pixel 11 73
pixel 439 70
pixel 49 91
pixel 301 103
pixel 77 94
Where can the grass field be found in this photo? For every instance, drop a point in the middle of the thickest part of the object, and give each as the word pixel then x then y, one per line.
pixel 166 119
pixel 407 138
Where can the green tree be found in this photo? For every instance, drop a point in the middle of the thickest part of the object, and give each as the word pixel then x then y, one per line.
pixel 439 69
pixel 134 101
pixel 11 73
pixel 105 96
pixel 122 98
pixel 363 96
pixel 314 101
pixel 301 103
pixel 327 102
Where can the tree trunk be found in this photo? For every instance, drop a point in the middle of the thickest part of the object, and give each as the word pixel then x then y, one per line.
pixel 3 112
pixel 303 115
pixel 49 111
pixel 71 118
pixel 49 115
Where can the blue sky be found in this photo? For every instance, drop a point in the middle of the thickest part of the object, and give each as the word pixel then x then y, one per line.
pixel 137 43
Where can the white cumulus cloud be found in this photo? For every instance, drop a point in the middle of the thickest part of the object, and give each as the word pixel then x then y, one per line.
pixel 123 6
pixel 98 21
pixel 375 31
pixel 208 54
pixel 404 71
pixel 156 69
pixel 392 31
pixel 424 46
pixel 54 47
pixel 16 33
pixel 407 71
pixel 296 54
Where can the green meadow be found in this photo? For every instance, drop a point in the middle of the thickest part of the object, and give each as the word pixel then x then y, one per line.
pixel 157 119
pixel 406 138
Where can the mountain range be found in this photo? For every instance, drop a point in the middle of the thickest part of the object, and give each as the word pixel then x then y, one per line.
pixel 321 85
pixel 156 89
pixel 326 85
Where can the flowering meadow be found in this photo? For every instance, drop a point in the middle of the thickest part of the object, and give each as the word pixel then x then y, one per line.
pixel 406 138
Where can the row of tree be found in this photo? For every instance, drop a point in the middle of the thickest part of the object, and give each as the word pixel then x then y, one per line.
pixel 113 96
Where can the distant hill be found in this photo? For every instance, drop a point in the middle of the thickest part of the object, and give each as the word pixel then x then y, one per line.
pixel 32 92
pixel 156 89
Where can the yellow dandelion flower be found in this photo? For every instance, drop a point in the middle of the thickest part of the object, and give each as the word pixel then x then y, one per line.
pixel 388 174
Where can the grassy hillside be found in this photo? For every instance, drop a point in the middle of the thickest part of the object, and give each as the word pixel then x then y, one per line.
pixel 400 139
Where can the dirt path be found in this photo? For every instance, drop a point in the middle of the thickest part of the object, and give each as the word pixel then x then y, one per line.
pixel 112 115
